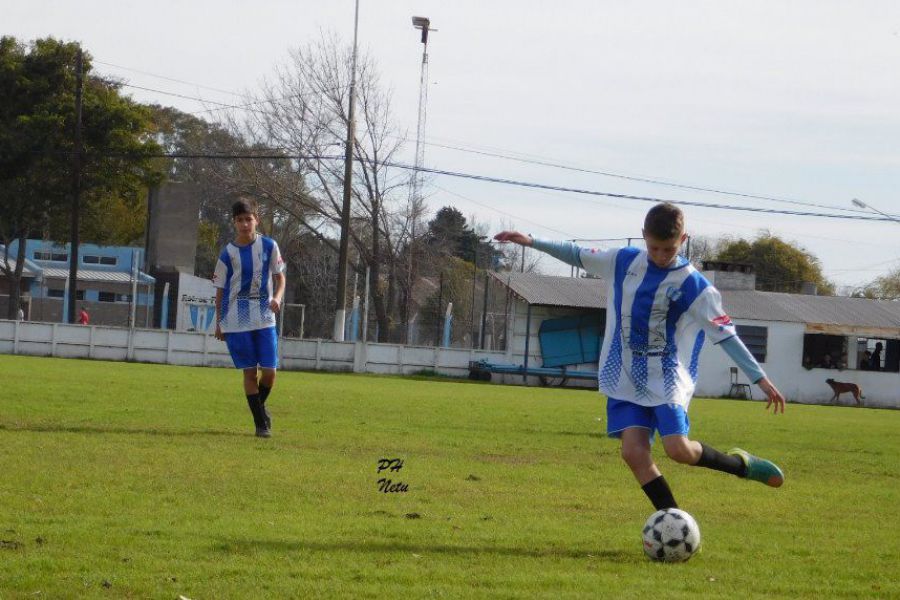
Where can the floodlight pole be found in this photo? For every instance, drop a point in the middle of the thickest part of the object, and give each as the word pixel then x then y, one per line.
pixel 341 304
pixel 422 24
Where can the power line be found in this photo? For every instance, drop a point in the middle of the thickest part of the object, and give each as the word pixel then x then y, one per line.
pixel 531 185
pixel 504 213
pixel 197 85
pixel 653 181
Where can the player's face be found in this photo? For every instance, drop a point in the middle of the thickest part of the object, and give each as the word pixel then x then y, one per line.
pixel 663 252
pixel 245 225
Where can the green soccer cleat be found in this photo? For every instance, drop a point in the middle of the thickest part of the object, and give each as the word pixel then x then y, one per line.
pixel 760 469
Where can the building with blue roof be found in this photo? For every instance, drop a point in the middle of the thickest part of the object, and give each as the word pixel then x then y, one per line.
pixel 109 279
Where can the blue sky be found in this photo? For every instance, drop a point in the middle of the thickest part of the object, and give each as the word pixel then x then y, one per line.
pixel 791 100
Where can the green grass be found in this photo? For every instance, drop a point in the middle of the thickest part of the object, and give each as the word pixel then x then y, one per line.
pixel 144 481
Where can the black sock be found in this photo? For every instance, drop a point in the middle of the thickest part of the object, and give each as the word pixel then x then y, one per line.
pixel 264 393
pixel 659 493
pixel 259 418
pixel 729 463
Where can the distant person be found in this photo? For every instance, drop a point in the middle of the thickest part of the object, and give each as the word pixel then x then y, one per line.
pixel 875 363
pixel 865 363
pixel 83 317
pixel 246 304
pixel 20 314
pixel 827 363
pixel 661 311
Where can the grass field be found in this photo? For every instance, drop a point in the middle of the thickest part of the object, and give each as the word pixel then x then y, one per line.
pixel 145 481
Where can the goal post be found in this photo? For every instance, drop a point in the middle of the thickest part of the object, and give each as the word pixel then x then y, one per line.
pixel 292 321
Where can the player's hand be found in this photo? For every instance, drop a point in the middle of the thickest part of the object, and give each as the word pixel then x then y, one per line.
pixel 275 305
pixel 513 236
pixel 219 335
pixel 775 397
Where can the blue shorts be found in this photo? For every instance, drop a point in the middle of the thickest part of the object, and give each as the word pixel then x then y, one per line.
pixel 250 349
pixel 667 419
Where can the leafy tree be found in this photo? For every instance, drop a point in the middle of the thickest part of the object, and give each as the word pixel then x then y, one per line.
pixel 450 234
pixel 780 266
pixel 37 116
pixel 886 287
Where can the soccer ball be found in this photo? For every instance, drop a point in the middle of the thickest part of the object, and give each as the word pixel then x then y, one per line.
pixel 671 535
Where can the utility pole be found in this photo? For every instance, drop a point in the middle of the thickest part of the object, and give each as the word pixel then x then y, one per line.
pixel 76 189
pixel 341 312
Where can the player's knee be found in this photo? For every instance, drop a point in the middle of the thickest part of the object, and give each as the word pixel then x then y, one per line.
pixel 680 452
pixel 635 455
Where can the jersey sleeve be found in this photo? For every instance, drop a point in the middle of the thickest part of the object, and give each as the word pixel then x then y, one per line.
pixel 594 261
pixel 709 313
pixel 276 263
pixel 599 262
pixel 220 274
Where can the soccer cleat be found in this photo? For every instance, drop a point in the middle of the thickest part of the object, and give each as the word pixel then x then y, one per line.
pixel 263 433
pixel 759 469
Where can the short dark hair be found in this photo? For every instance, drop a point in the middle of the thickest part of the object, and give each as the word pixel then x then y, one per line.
pixel 243 206
pixel 664 221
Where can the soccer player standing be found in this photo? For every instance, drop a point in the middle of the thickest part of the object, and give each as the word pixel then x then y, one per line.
pixel 660 312
pixel 246 305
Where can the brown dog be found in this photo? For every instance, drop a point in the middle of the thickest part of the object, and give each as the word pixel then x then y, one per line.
pixel 839 387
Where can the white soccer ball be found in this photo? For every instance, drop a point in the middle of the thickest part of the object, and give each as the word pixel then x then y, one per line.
pixel 671 535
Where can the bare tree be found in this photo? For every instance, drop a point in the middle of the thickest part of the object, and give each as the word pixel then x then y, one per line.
pixel 302 115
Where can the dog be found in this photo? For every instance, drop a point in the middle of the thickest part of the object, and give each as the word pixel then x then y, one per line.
pixel 839 387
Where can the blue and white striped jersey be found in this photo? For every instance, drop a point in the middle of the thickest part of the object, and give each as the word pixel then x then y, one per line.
pixel 244 273
pixel 657 321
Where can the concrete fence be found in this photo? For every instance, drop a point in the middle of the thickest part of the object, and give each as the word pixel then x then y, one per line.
pixel 198 349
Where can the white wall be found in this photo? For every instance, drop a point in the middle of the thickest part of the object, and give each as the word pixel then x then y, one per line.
pixel 198 349
pixel 784 358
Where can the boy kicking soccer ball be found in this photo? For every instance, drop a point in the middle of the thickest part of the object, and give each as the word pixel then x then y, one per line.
pixel 246 304
pixel 660 312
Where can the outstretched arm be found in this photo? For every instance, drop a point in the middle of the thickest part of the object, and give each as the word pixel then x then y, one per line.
pixel 515 237
pixel 567 252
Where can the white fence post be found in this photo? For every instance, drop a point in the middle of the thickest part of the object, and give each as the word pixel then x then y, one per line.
pixel 16 337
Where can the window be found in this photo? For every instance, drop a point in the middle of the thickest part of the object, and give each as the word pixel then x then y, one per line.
pixel 91 259
pixel 755 338
pixel 114 297
pixel 824 351
pixel 61 293
pixel 878 354
pixel 51 256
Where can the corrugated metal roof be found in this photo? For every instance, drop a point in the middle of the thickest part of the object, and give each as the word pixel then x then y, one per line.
pixel 802 308
pixel 97 275
pixel 739 304
pixel 29 268
pixel 546 290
